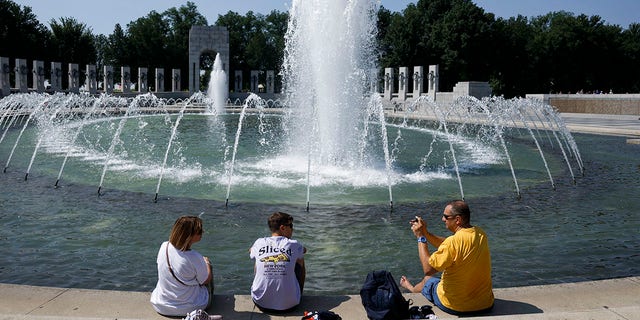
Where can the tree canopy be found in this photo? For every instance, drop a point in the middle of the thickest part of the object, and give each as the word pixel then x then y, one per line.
pixel 555 52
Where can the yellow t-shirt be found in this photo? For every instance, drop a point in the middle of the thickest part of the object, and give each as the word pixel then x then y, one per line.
pixel 465 262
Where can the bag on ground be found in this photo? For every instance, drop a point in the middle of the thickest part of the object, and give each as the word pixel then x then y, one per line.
pixel 321 315
pixel 381 297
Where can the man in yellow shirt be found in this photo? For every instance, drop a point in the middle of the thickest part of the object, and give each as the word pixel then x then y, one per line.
pixel 463 258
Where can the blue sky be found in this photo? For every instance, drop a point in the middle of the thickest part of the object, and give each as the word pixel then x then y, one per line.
pixel 101 18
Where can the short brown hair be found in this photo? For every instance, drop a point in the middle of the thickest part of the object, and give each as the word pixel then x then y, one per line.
pixel 183 230
pixel 460 208
pixel 278 219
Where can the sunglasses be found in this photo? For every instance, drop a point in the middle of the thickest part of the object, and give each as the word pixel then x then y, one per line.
pixel 446 217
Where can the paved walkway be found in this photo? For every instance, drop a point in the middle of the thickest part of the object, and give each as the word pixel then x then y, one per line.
pixel 605 299
pixel 621 125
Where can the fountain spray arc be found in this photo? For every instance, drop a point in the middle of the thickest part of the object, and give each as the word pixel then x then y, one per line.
pixel 328 70
pixel 218 87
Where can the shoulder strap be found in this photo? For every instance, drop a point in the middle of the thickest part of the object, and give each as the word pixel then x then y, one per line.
pixel 169 264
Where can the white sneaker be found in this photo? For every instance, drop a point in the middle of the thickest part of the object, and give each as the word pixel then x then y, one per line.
pixel 202 315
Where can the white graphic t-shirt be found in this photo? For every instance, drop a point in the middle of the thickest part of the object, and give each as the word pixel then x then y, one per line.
pixel 275 285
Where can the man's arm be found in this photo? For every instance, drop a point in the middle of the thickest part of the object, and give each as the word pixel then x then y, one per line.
pixel 435 241
pixel 419 228
pixel 423 252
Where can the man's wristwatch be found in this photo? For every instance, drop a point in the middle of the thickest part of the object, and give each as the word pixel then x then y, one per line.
pixel 422 239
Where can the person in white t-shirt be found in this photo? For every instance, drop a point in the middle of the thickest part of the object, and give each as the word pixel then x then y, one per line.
pixel 185 277
pixel 279 267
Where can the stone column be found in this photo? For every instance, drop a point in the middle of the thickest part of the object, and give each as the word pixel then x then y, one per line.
pixel 38 76
pixel 125 79
pixel 142 80
pixel 374 86
pixel 21 75
pixel 159 79
pixel 433 81
pixel 271 81
pixel 237 83
pixel 5 72
pixel 56 76
pixel 175 80
pixel 388 83
pixel 417 81
pixel 255 80
pixel 403 83
pixel 107 83
pixel 92 79
pixel 74 78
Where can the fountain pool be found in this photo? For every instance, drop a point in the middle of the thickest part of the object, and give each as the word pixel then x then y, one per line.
pixel 70 236
pixel 92 185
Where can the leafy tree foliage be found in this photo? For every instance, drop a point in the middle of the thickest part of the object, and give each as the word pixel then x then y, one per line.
pixel 21 34
pixel 72 42
pixel 256 42
pixel 555 52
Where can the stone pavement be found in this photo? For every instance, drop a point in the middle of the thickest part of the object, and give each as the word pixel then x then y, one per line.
pixel 608 124
pixel 604 299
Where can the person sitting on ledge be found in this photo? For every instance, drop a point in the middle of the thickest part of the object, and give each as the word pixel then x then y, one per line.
pixel 279 267
pixel 463 259
pixel 185 277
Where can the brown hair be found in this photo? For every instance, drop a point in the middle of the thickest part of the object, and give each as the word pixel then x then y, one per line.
pixel 183 231
pixel 278 219
pixel 460 208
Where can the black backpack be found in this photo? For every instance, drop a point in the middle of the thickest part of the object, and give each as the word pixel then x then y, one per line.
pixel 382 298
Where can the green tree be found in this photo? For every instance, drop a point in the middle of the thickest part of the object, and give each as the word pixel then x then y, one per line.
pixel 256 42
pixel 72 42
pixel 627 76
pixel 115 51
pixel 398 41
pixel 21 34
pixel 575 54
pixel 149 34
pixel 180 20
pixel 511 47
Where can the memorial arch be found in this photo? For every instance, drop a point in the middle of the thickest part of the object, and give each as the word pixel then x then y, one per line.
pixel 205 39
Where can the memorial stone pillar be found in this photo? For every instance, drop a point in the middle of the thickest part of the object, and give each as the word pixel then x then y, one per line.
pixel 175 80
pixel 38 76
pixel 237 84
pixel 417 81
pixel 56 76
pixel 159 79
pixel 142 80
pixel 5 78
pixel 255 80
pixel 388 83
pixel 107 83
pixel 74 78
pixel 374 86
pixel 125 79
pixel 433 77
pixel 271 81
pixel 21 75
pixel 403 83
pixel 92 79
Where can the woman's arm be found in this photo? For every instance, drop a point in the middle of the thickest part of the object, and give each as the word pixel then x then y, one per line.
pixel 209 270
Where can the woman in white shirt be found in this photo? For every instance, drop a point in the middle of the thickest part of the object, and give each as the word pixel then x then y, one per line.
pixel 185 277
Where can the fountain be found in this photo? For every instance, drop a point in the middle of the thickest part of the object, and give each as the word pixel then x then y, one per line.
pixel 334 157
pixel 218 88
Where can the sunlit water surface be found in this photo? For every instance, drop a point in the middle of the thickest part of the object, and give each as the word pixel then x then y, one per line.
pixel 71 237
